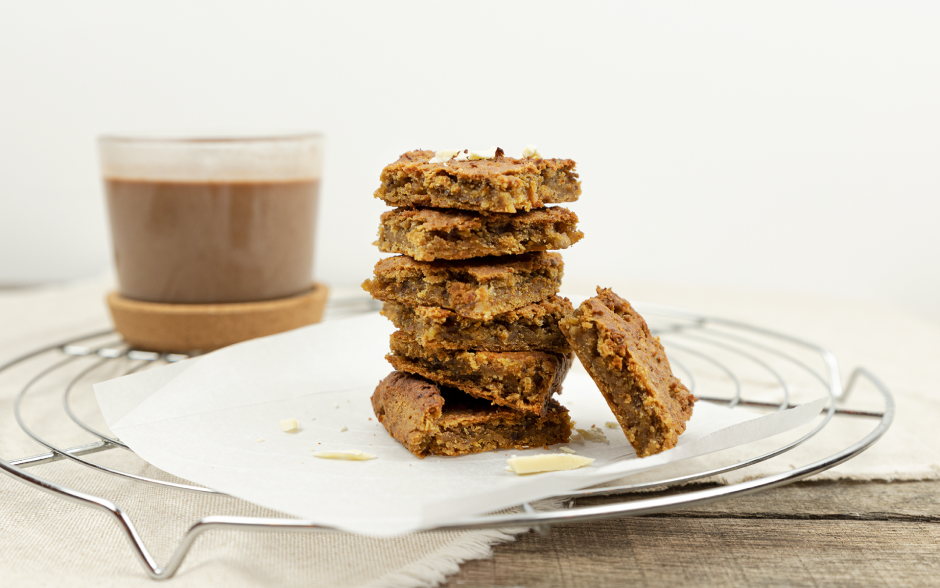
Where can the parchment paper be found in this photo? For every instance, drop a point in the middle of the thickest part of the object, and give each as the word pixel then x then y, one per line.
pixel 202 419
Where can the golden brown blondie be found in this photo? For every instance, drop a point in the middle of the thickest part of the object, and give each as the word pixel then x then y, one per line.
pixel 503 184
pixel 427 234
pixel 432 420
pixel 630 367
pixel 521 380
pixel 533 326
pixel 474 288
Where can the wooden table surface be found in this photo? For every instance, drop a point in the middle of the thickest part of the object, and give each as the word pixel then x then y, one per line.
pixel 805 534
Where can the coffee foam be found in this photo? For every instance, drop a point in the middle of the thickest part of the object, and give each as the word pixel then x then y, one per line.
pixel 236 159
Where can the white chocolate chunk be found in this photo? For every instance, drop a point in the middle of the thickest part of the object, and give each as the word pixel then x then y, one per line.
pixel 576 436
pixel 611 425
pixel 567 450
pixel 595 435
pixel 531 152
pixel 462 156
pixel 290 425
pixel 444 155
pixel 550 462
pixel 346 454
pixel 344 429
pixel 489 153
pixel 259 440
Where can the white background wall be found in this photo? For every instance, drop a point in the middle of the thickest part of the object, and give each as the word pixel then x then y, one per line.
pixel 792 147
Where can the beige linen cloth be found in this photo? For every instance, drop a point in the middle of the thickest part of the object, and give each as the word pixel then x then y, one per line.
pixel 45 541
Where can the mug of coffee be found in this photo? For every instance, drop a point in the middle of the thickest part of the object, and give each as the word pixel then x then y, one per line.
pixel 211 223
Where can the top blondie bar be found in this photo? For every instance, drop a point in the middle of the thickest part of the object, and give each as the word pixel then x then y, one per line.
pixel 501 184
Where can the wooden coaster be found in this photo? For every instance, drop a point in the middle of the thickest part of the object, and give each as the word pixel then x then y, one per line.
pixel 203 327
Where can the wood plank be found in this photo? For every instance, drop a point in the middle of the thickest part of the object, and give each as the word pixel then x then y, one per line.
pixel 810 534
pixel 913 501
pixel 715 552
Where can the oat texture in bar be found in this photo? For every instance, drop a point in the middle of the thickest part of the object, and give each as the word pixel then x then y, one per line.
pixel 427 234
pixel 521 380
pixel 501 184
pixel 533 326
pixel 630 368
pixel 429 419
pixel 474 288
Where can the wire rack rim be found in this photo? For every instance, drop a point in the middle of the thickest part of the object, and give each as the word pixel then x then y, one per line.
pixel 528 518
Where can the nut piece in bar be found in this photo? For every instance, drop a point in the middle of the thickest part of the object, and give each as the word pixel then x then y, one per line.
pixel 502 184
pixel 521 380
pixel 427 234
pixel 474 288
pixel 533 326
pixel 432 420
pixel 630 367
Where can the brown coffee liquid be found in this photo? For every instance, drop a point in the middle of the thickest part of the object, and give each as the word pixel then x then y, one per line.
pixel 205 242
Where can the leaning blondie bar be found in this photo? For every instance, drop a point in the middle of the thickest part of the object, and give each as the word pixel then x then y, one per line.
pixel 474 288
pixel 533 326
pixel 503 184
pixel 432 420
pixel 427 234
pixel 630 367
pixel 521 380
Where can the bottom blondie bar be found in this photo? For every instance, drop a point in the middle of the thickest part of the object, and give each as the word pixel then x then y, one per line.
pixel 432 420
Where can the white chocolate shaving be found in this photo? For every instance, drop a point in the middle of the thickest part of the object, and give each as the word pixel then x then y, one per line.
pixel 611 425
pixel 551 462
pixel 531 152
pixel 346 454
pixel 567 450
pixel 595 435
pixel 444 155
pixel 289 425
pixel 489 153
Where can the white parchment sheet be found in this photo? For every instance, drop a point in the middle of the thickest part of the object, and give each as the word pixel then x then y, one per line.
pixel 202 419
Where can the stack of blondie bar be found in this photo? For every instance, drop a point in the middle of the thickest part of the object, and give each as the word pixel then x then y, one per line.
pixel 478 353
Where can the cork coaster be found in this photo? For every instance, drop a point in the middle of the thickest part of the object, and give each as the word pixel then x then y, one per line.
pixel 203 327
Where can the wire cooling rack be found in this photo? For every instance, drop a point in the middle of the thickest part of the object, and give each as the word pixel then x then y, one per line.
pixel 733 363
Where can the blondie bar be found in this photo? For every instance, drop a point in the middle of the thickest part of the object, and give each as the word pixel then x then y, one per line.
pixel 427 234
pixel 432 420
pixel 521 380
pixel 503 184
pixel 474 288
pixel 630 367
pixel 533 326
